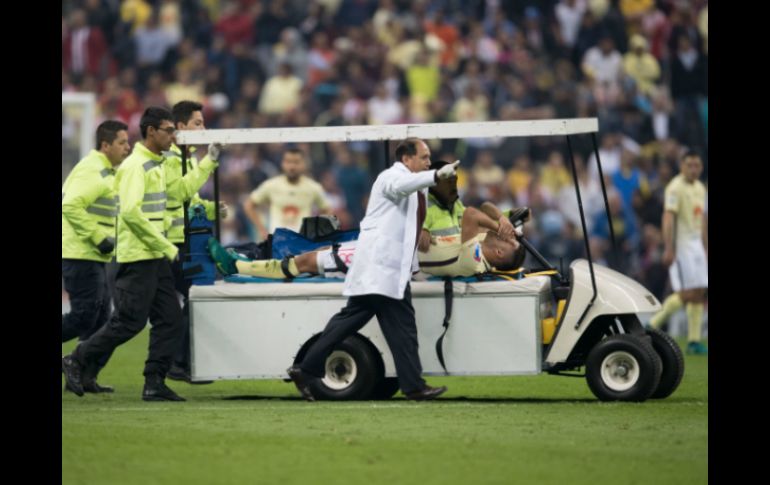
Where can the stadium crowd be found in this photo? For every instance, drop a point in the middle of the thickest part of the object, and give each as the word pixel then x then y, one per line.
pixel 640 66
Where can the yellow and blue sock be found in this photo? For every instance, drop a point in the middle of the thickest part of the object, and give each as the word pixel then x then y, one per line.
pixel 268 268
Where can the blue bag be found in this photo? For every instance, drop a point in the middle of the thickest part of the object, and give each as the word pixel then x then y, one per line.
pixel 289 243
pixel 198 265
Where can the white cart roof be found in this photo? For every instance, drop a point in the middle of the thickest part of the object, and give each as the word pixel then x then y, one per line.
pixel 426 131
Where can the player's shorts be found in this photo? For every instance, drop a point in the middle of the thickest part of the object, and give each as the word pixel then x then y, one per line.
pixel 690 268
pixel 327 264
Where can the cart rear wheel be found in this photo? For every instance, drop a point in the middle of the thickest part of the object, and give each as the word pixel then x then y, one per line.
pixel 351 372
pixel 673 363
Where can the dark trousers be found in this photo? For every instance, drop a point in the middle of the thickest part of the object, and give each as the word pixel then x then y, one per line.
pixel 90 306
pixel 86 283
pixel 396 318
pixel 142 289
pixel 182 285
pixel 111 269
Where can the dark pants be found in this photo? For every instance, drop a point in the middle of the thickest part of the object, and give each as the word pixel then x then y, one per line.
pixel 182 285
pixel 111 269
pixel 90 306
pixel 396 318
pixel 142 289
pixel 86 283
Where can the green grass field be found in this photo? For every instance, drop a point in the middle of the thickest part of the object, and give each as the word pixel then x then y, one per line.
pixel 539 430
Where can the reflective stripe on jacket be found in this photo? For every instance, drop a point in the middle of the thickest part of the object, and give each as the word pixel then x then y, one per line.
pixel 89 208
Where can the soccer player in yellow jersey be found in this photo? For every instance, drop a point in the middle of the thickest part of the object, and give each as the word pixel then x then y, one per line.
pixel 686 249
pixel 291 196
pixel 487 241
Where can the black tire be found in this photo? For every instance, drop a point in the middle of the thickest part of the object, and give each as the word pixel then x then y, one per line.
pixel 386 388
pixel 351 372
pixel 673 363
pixel 623 367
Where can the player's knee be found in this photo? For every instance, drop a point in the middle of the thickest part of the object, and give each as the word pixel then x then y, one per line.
pixel 697 295
pixel 306 263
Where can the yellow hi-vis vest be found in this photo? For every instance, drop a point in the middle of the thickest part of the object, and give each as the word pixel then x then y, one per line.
pixel 89 206
pixel 141 185
pixel 439 221
pixel 185 188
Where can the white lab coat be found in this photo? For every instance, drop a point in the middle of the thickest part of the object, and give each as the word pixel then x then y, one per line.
pixel 385 251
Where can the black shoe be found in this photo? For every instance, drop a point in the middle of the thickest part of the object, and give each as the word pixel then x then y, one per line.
pixel 300 381
pixel 88 378
pixel 92 387
pixel 427 393
pixel 72 372
pixel 157 390
pixel 96 388
pixel 177 373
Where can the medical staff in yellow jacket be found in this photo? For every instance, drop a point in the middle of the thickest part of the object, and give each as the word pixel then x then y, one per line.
pixel 181 188
pixel 144 287
pixel 445 211
pixel 88 211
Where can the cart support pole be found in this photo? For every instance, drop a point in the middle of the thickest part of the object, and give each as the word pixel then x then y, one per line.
pixel 585 232
pixel 218 234
pixel 185 207
pixel 604 191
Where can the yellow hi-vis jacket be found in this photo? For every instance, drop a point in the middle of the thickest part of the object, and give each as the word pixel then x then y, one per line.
pixel 440 221
pixel 180 189
pixel 89 206
pixel 141 184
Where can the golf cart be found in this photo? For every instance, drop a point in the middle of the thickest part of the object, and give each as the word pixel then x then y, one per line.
pixel 544 322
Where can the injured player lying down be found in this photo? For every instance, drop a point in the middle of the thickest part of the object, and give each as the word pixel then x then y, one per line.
pixel 481 246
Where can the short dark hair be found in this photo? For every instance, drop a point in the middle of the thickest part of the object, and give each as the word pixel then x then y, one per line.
pixel 107 131
pixel 689 154
pixel 154 116
pixel 407 147
pixel 184 110
pixel 295 151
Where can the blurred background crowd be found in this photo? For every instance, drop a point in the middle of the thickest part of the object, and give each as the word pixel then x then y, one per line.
pixel 640 66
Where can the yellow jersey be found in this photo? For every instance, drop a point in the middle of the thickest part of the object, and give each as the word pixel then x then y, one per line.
pixel 688 202
pixel 452 257
pixel 289 203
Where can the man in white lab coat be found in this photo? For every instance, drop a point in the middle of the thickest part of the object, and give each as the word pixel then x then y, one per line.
pixel 378 280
